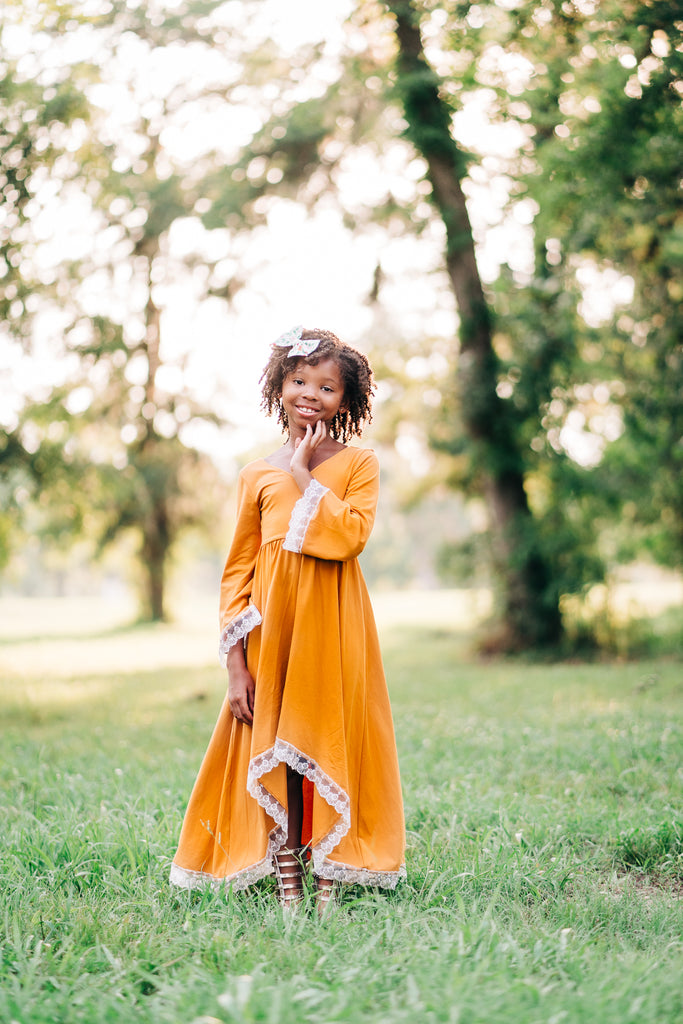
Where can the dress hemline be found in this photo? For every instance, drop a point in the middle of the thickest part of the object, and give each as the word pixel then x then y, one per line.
pixel 284 752
pixel 185 878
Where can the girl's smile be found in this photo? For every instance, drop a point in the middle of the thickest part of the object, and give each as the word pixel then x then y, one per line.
pixel 306 411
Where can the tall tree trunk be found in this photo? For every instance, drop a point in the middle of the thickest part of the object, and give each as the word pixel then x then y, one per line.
pixel 153 519
pixel 154 551
pixel 530 612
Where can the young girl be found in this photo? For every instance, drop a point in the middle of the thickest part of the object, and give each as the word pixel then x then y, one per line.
pixel 303 756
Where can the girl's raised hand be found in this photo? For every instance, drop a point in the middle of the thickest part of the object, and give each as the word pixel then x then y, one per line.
pixel 306 445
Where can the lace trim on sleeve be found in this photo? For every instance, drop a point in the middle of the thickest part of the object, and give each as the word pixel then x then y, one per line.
pixel 302 513
pixel 237 630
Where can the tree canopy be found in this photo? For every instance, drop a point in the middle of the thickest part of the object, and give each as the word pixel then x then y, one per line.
pixel 528 150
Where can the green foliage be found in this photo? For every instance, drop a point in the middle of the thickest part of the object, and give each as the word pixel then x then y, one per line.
pixel 602 116
pixel 110 437
pixel 653 849
pixel 600 119
pixel 288 150
pixel 34 123
pixel 463 563
pixel 608 188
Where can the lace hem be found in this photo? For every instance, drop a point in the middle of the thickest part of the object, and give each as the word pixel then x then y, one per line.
pixel 283 752
pixel 328 789
pixel 356 876
pixel 302 513
pixel 184 878
pixel 237 630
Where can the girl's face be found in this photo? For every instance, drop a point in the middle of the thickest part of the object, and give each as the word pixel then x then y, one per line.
pixel 312 393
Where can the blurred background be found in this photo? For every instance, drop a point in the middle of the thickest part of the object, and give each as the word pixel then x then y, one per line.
pixel 483 197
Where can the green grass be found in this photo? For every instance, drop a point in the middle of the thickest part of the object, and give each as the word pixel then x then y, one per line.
pixel 545 863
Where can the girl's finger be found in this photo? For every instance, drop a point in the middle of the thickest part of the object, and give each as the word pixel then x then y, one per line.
pixel 242 715
pixel 320 432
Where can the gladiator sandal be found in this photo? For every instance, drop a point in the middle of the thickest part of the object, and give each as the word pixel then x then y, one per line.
pixel 289 873
pixel 324 896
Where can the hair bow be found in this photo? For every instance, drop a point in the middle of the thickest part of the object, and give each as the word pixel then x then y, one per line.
pixel 300 347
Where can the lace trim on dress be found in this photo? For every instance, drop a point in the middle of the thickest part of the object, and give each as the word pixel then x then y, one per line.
pixel 186 879
pixel 237 630
pixel 324 868
pixel 328 789
pixel 359 876
pixel 302 513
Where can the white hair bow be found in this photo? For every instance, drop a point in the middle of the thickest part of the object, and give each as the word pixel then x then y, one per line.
pixel 300 347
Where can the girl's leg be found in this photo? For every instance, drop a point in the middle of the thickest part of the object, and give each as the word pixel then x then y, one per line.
pixel 295 803
pixel 288 864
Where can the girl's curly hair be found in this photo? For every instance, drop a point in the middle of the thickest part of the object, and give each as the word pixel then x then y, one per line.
pixel 356 374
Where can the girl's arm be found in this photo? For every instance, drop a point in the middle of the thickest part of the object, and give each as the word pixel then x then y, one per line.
pixel 238 616
pixel 326 526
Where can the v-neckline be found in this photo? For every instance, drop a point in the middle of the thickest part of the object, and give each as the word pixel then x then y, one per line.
pixel 346 448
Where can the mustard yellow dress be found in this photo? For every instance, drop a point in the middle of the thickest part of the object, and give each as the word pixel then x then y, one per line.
pixel 293 592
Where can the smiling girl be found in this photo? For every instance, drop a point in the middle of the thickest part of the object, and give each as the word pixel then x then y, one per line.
pixel 302 763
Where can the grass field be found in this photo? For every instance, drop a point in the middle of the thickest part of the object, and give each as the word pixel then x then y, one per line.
pixel 545 828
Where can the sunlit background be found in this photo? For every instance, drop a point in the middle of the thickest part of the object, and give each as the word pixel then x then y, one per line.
pixel 184 181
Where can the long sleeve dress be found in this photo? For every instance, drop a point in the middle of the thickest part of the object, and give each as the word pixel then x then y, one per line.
pixel 293 592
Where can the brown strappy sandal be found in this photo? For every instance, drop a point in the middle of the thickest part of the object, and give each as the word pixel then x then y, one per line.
pixel 289 873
